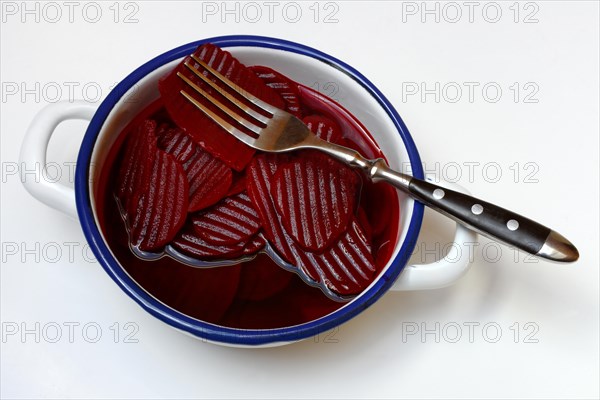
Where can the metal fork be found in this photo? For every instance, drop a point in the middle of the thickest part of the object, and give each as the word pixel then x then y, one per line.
pixel 280 131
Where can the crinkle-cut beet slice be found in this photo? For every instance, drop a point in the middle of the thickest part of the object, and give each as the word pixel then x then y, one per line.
pixel 327 129
pixel 346 268
pixel 136 165
pixel 174 141
pixel 258 182
pixel 324 128
pixel 231 221
pixel 316 198
pixel 190 243
pixel 355 134
pixel 208 177
pixel 287 89
pixel 161 208
pixel 194 122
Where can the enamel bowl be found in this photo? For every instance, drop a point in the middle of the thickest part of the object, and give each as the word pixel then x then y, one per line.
pixel 303 64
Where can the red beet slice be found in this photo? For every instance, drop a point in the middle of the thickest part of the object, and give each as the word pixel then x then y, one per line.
pixel 174 141
pixel 233 220
pixel 259 176
pixel 137 162
pixel 190 243
pixel 201 128
pixel 160 209
pixel 208 177
pixel 346 268
pixel 316 198
pixel 287 89
pixel 324 128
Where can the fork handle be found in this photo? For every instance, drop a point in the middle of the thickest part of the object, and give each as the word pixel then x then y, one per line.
pixel 486 218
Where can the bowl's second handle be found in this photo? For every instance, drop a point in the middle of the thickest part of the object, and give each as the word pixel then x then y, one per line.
pixel 35 146
pixel 443 272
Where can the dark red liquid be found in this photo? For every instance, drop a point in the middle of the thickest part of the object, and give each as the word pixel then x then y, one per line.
pixel 257 294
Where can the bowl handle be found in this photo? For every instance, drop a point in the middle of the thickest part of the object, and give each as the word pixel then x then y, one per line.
pixel 446 271
pixel 33 153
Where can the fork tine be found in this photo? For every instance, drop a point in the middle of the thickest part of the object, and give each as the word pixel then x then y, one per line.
pixel 228 96
pixel 251 98
pixel 244 137
pixel 245 123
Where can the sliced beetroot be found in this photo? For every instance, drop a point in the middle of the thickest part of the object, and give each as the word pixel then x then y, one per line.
pixel 287 89
pixel 136 164
pixel 341 262
pixel 208 177
pixel 153 190
pixel 355 134
pixel 346 268
pixel 259 176
pixel 324 128
pixel 316 198
pixel 190 243
pixel 160 208
pixel 201 128
pixel 233 220
pixel 174 141
pixel 262 278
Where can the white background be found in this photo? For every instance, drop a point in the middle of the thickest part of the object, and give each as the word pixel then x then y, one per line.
pixel 373 355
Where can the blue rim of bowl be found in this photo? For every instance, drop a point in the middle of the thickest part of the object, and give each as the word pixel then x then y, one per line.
pixel 206 330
